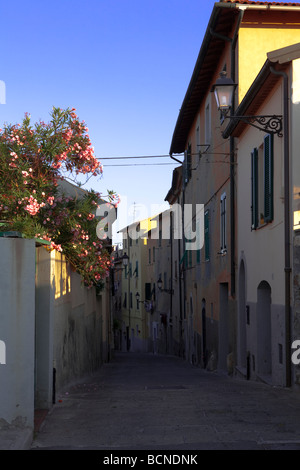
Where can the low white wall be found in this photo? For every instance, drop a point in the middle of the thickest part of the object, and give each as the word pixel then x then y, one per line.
pixel 17 311
pixel 80 326
pixel 47 320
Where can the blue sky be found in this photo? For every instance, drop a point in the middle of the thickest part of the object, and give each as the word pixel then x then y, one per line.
pixel 124 65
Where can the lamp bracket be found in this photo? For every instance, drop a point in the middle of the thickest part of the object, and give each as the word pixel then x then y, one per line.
pixel 272 124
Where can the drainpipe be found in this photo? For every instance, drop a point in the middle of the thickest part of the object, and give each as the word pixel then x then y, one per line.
pixel 233 42
pixel 232 162
pixel 171 284
pixel 128 272
pixel 180 292
pixel 183 298
pixel 287 255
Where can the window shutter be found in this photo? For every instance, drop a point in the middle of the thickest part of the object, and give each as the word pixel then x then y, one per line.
pixel 206 234
pixel 137 268
pixel 268 178
pixel 147 291
pixel 187 165
pixel 254 189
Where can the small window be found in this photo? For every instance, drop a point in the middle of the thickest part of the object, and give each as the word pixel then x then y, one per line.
pixel 187 164
pixel 165 280
pixel 262 192
pixel 223 223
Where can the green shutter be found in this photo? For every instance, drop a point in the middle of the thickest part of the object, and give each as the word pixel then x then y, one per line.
pixel 268 178
pixel 206 234
pixel 254 189
pixel 147 291
pixel 137 269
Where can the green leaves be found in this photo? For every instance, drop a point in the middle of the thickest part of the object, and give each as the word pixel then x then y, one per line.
pixel 36 199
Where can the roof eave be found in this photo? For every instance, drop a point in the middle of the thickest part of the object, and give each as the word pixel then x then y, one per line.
pixel 175 147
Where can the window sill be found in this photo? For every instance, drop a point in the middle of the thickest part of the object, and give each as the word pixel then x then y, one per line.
pixel 264 224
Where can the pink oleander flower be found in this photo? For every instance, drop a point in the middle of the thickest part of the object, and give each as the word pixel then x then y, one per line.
pixel 33 207
pixel 50 200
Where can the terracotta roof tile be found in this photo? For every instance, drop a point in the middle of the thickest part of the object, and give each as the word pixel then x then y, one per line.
pixel 251 2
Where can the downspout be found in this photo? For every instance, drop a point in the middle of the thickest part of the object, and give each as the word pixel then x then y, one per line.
pixel 232 163
pixel 180 292
pixel 171 284
pixel 128 272
pixel 232 147
pixel 183 298
pixel 287 254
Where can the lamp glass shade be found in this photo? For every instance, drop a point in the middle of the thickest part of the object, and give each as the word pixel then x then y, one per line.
pixel 223 95
pixel 159 283
pixel 125 260
pixel 223 90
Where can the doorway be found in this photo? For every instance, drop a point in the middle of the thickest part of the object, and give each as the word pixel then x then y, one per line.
pixel 223 327
pixel 204 352
pixel 242 341
pixel 264 333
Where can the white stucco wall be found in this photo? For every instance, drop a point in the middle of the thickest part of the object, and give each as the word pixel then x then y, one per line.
pixel 262 252
pixel 17 310
pixel 80 326
pixel 262 249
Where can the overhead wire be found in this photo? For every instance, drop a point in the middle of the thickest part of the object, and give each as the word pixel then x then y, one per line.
pixel 158 156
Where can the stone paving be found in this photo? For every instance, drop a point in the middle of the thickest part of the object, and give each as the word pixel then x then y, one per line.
pixel 153 402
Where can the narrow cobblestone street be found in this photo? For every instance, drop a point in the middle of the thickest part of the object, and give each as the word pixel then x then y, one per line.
pixel 152 402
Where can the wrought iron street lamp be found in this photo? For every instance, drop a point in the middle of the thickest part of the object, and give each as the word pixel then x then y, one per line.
pixel 224 90
pixel 125 259
pixel 159 285
pixel 137 296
